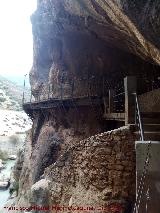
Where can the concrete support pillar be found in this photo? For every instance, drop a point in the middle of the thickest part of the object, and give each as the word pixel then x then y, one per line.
pixel 130 87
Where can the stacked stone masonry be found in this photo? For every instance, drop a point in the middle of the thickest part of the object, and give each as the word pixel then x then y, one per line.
pixel 98 171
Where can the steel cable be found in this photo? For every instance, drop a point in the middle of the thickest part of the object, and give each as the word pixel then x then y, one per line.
pixel 142 179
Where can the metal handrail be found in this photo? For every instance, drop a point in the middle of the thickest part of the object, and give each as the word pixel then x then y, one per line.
pixel 47 93
pixel 122 93
pixel 139 116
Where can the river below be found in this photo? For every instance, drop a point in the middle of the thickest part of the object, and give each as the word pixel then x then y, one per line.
pixel 4 194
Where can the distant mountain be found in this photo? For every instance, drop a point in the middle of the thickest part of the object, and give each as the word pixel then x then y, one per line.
pixel 13 122
pixel 11 94
pixel 19 80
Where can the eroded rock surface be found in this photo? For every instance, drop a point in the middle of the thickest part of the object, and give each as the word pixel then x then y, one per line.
pixel 130 25
pixel 69 157
pixel 98 171
pixel 76 40
pixel 40 195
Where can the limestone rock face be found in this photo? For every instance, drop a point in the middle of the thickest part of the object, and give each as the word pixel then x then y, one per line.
pixel 96 171
pixel 130 25
pixel 49 140
pixel 39 195
pixel 79 39
pixel 69 159
pixel 150 101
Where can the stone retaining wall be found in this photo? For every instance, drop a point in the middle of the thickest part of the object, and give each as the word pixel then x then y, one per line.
pixel 96 172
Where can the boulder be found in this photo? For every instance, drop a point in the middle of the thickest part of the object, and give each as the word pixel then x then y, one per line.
pixel 40 194
pixel 12 157
pixel 1 165
pixel 4 184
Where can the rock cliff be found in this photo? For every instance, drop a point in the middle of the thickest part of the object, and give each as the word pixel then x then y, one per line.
pixel 80 39
pixel 65 170
pixel 70 158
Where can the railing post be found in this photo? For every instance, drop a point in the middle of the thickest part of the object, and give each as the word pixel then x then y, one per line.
pixel 61 86
pixel 111 101
pixel 48 90
pixel 31 97
pixel 24 85
pixel 23 98
pixel 139 117
pixel 61 92
pixel 52 87
pixel 72 89
pixel 130 87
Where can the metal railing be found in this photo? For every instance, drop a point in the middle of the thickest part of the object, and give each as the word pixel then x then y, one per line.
pixel 116 99
pixel 138 117
pixel 76 88
pixel 119 102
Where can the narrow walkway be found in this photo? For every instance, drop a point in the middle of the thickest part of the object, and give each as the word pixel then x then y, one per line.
pixel 81 92
pixel 56 103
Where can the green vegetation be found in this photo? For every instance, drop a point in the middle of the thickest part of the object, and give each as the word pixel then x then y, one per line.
pixel 14 139
pixel 11 95
pixel 14 188
pixel 3 155
pixel 2 99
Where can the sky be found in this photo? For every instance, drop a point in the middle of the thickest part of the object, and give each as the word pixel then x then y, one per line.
pixel 16 46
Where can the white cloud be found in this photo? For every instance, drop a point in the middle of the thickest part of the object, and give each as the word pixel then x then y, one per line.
pixel 16 36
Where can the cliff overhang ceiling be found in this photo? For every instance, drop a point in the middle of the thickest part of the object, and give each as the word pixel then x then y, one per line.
pixel 132 26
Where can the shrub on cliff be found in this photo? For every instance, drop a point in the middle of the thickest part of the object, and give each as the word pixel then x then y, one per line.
pixel 3 155
pixel 14 139
pixel 14 188
pixel 2 99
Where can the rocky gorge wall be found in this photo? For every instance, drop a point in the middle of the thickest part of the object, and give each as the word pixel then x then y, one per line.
pixel 79 39
pixel 66 170
pixel 55 134
pixel 70 158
